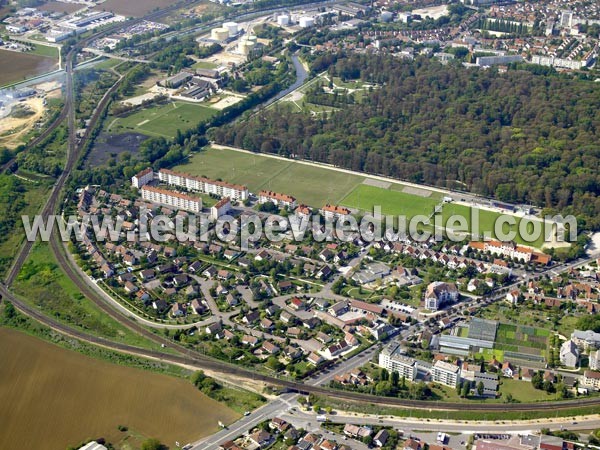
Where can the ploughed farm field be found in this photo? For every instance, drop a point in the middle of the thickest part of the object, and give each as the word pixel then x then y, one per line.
pixel 53 398
pixel 132 8
pixel 18 66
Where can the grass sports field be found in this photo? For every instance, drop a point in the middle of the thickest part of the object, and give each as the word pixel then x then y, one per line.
pixel 316 186
pixel 54 398
pixel 487 220
pixel 393 202
pixel 162 120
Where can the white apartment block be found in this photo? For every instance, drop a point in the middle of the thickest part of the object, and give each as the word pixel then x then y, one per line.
pixel 204 185
pixel 334 212
pixel 142 178
pixel 586 340
pixel 220 208
pixel 445 373
pixel 281 200
pixel 171 198
pixel 391 359
pixel 591 379
pixel 509 249
pixel 569 354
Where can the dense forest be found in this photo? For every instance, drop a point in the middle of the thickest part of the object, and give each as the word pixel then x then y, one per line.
pixel 517 136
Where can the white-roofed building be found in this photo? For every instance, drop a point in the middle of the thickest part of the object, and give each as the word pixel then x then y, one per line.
pixel 445 373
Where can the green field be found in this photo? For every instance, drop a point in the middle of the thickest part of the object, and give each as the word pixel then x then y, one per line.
pixel 487 220
pixel 316 186
pixel 204 65
pixel 392 202
pixel 45 50
pixel 489 354
pixel 108 64
pixel 163 120
pixel 524 391
pixel 313 186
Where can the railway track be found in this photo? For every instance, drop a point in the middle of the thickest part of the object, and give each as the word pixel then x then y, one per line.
pixel 67 112
pixel 204 362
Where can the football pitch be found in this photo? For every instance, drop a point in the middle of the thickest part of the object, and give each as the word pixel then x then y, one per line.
pixel 316 186
pixel 313 186
pixel 487 220
pixel 163 120
pixel 392 201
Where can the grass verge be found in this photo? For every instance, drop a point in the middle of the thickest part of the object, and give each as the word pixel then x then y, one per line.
pixel 43 285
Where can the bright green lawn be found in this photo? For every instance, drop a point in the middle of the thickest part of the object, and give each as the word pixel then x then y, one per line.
pixel 108 63
pixel 204 65
pixel 164 120
pixel 524 391
pixel 463 332
pixel 487 219
pixel 314 186
pixel 45 50
pixel 489 354
pixel 392 202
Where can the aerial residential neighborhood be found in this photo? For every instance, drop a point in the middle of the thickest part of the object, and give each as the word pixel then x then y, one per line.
pixel 299 225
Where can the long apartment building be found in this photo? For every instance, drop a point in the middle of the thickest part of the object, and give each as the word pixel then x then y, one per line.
pixel 391 359
pixel 171 198
pixel 204 185
pixel 510 249
pixel 281 200
pixel 445 373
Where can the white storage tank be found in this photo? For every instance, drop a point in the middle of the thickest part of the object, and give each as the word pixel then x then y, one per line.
pixel 232 27
pixel 283 20
pixel 246 46
pixel 306 22
pixel 219 34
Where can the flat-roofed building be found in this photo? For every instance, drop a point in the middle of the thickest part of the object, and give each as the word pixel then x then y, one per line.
pixel 594 363
pixel 391 359
pixel 445 373
pixel 586 340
